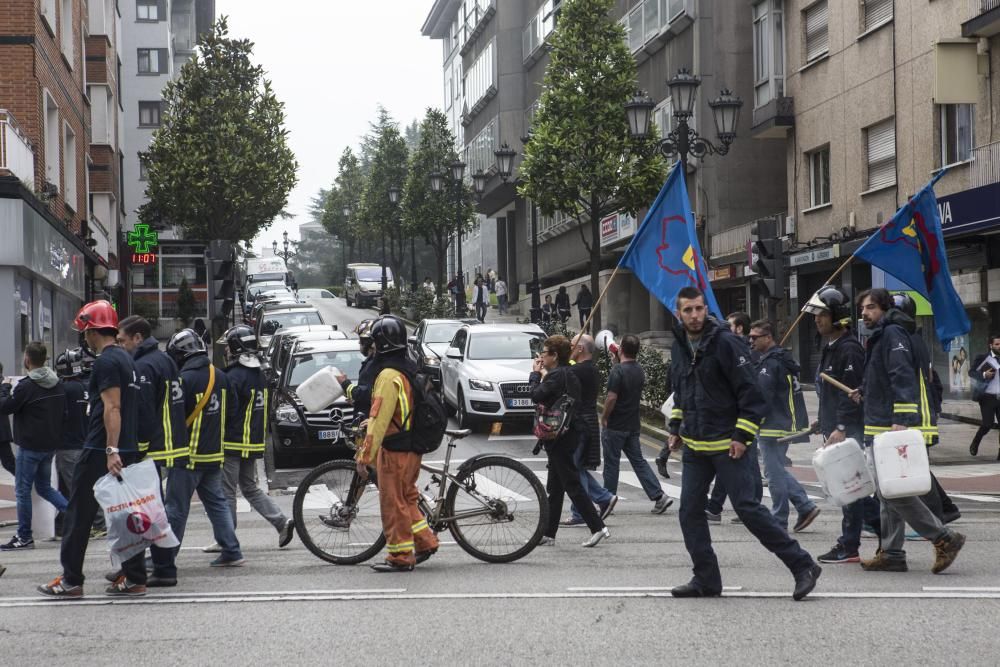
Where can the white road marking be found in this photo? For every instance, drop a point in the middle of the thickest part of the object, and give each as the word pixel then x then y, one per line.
pixel 983 589
pixel 975 497
pixel 636 588
pixel 488 487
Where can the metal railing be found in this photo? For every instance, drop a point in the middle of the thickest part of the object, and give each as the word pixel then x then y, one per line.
pixel 730 241
pixel 977 7
pixel 16 154
pixel 985 161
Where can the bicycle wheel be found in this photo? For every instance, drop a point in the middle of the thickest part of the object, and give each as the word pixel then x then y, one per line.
pixel 332 527
pixel 497 509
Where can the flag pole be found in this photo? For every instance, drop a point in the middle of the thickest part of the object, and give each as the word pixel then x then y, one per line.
pixel 586 325
pixel 802 313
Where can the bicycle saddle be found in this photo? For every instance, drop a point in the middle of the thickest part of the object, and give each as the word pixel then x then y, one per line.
pixel 458 434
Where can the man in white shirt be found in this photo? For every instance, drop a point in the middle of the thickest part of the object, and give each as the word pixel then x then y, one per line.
pixel 501 289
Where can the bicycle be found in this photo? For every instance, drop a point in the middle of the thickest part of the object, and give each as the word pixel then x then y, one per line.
pixel 494 506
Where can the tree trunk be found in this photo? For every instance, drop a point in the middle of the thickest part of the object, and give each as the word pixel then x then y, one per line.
pixel 595 263
pixel 440 250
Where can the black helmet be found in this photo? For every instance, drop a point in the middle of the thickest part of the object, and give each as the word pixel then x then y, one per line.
pixel 905 303
pixel 388 334
pixel 364 329
pixel 829 299
pixel 185 344
pixel 241 340
pixel 65 368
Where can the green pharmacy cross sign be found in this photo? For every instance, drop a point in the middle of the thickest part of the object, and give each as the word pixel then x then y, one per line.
pixel 141 238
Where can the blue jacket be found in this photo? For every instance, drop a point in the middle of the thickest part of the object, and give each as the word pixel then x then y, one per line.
pixel 245 435
pixel 843 360
pixel 162 433
pixel 205 432
pixel 778 378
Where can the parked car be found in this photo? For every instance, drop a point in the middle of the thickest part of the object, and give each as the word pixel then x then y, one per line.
pixel 311 293
pixel 276 354
pixel 363 284
pixel 484 372
pixel 270 322
pixel 294 430
pixel 270 304
pixel 429 342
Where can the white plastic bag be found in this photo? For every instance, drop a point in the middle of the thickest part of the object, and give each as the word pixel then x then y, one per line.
pixel 667 408
pixel 134 512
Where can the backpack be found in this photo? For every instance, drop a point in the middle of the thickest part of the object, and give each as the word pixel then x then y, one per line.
pixel 428 420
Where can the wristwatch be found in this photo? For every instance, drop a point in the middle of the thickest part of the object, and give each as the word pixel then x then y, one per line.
pixel 110 450
pixel 841 428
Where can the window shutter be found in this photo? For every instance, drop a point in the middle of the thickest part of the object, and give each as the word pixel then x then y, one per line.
pixel 882 154
pixel 877 12
pixel 817 35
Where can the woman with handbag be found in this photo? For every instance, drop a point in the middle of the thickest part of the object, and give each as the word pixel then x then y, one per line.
pixel 555 390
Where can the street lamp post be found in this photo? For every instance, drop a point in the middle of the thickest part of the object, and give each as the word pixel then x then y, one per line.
pixel 683 140
pixel 394 194
pixel 457 172
pixel 347 210
pixel 285 253
pixel 505 166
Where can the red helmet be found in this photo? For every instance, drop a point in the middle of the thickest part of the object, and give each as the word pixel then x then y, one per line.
pixel 96 315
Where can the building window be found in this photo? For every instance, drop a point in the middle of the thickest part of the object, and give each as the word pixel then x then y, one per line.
pixel 957 132
pixel 152 61
pixel 48 11
pixel 817 37
pixel 875 13
pixel 663 116
pixel 768 51
pixel 52 140
pixel 69 160
pixel 479 152
pixel 148 10
pixel 819 177
pixel 149 114
pixel 480 80
pixel 880 142
pixel 66 30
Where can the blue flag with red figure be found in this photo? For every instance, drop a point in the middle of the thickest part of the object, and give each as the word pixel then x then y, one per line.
pixel 664 253
pixel 910 247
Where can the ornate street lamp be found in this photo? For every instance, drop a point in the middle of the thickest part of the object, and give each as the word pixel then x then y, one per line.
pixel 505 166
pixel 479 182
pixel 456 170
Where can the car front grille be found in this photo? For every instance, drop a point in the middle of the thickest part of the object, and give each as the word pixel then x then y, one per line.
pixel 335 418
pixel 515 390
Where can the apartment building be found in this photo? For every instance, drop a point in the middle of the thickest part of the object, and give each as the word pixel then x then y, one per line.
pixel 494 58
pixel 159 36
pixel 883 95
pixel 59 154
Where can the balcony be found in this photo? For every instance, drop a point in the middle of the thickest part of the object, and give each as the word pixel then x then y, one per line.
pixel 16 154
pixel 985 165
pixel 730 241
pixel 773 119
pixel 984 19
pixel 476 22
pixel 653 23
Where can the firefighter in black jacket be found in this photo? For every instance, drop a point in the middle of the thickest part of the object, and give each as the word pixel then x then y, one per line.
pixel 891 394
pixel 163 436
pixel 840 418
pixel 208 408
pixel 245 435
pixel 718 410
pixel 360 393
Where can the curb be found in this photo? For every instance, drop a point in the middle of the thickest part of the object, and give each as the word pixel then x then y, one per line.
pixel 961 418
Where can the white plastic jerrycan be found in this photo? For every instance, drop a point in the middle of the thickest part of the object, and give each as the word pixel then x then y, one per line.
pixel 320 389
pixel 843 472
pixel 901 464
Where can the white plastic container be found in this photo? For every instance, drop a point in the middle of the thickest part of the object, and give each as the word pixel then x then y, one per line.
pixel 321 389
pixel 901 464
pixel 843 472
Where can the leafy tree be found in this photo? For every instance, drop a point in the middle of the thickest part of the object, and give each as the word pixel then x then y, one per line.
pixel 219 165
pixel 187 305
pixel 427 214
pixel 411 133
pixel 388 169
pixel 349 183
pixel 315 265
pixel 581 160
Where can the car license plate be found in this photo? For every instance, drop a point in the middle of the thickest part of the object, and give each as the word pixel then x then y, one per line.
pixel 519 403
pixel 329 435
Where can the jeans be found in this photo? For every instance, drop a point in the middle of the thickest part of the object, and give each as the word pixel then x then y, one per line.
pixel 781 484
pixel 989 408
pixel 614 444
pixel 718 498
pixel 481 311
pixel 80 513
pixel 7 461
pixel 66 461
pixel 33 469
pixel 502 303
pixel 584 314
pixel 181 485
pixel 597 493
pixel 737 475
pixel 564 480
pixel 237 470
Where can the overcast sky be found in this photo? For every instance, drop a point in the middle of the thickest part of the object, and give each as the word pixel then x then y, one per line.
pixel 332 62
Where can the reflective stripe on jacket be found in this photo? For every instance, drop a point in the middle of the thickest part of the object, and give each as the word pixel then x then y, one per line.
pixel 245 435
pixel 390 412
pixel 206 430
pixel 162 432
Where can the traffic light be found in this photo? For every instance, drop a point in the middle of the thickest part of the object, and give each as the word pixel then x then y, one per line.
pixel 769 262
pixel 221 268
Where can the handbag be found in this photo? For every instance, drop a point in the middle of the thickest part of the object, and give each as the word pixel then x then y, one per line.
pixel 552 422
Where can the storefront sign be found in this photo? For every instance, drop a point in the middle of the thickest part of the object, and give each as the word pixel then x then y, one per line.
pixel 722 273
pixel 970 210
pixel 142 238
pixel 812 256
pixel 616 227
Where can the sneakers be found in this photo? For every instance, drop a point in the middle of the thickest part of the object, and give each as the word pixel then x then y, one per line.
pixel 112 575
pixel 572 521
pixel 806 519
pixel 805 581
pixel 606 510
pixel 222 561
pixel 17 543
pixel 98 533
pixel 547 541
pixel 125 588
pixel 597 537
pixel 712 518
pixel 946 551
pixel 286 534
pixel 212 548
pixel 57 589
pixel 882 562
pixel 661 504
pixel 838 554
